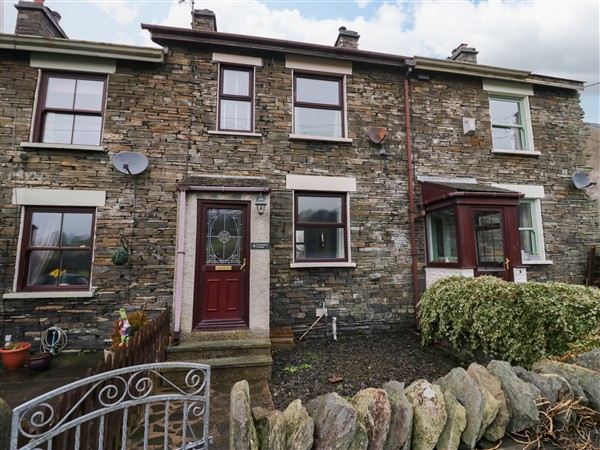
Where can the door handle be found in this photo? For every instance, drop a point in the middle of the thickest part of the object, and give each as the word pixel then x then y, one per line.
pixel 507 264
pixel 243 265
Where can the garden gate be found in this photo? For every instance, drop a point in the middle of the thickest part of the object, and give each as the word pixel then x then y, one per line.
pixel 160 405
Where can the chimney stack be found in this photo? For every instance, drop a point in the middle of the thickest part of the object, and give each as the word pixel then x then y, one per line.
pixel 35 19
pixel 347 38
pixel 204 20
pixel 464 53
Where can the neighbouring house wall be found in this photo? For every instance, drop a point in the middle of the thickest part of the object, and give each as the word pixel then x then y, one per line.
pixel 570 221
pixel 593 150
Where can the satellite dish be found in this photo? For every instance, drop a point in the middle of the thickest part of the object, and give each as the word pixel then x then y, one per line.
pixel 378 134
pixel 130 163
pixel 581 181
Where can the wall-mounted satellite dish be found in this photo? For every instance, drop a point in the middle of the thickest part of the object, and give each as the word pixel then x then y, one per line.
pixel 130 163
pixel 581 181
pixel 378 134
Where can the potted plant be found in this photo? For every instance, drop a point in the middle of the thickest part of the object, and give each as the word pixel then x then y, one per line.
pixel 15 354
pixel 39 362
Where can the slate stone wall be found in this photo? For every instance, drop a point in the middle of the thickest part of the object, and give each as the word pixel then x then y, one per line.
pixel 166 113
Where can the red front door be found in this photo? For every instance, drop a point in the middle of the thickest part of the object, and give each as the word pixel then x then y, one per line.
pixel 491 244
pixel 221 288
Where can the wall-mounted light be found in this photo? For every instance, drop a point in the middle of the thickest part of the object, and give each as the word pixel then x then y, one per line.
pixel 260 204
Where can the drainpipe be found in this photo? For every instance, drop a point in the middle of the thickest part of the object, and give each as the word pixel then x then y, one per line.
pixel 411 199
pixel 179 268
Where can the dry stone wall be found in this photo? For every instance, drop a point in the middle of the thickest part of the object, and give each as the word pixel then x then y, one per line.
pixel 456 411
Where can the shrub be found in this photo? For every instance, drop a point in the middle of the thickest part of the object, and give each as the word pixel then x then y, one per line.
pixel 517 322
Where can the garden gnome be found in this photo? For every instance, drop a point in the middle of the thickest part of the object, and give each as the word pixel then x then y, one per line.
pixel 124 328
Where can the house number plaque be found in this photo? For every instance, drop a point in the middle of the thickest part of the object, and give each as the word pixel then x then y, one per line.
pixel 260 246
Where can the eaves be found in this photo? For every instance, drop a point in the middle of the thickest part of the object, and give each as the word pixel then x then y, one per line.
pixel 80 48
pixel 498 73
pixel 210 39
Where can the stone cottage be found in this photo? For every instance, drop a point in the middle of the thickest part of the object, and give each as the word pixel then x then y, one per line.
pixel 253 180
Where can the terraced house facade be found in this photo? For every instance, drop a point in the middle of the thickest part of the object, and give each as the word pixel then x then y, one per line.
pixel 271 178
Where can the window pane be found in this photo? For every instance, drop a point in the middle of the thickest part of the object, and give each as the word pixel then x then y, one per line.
pixel 318 91
pixel 61 93
pixel 442 236
pixel 89 95
pixel 235 115
pixel 489 242
pixel 224 238
pixel 318 122
pixel 507 138
pixel 527 244
pixel 319 209
pixel 75 267
pixel 45 229
pixel 505 112
pixel 43 268
pixel 320 243
pixel 58 128
pixel 87 130
pixel 525 219
pixel 77 229
pixel 236 82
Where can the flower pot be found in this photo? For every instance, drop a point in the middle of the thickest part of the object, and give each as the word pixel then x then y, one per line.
pixel 15 358
pixel 39 361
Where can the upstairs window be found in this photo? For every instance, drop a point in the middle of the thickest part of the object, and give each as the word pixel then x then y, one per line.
pixel 57 249
pixel 70 109
pixel 236 98
pixel 508 123
pixel 321 227
pixel 318 106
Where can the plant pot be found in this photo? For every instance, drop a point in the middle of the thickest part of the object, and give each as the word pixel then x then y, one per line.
pixel 39 361
pixel 13 359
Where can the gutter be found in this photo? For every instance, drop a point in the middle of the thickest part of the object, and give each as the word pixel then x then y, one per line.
pixel 80 48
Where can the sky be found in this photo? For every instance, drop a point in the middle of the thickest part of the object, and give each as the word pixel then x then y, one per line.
pixel 549 37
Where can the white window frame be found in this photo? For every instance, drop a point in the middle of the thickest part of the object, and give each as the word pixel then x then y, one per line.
pixel 317 184
pixel 533 195
pixel 520 93
pixel 53 198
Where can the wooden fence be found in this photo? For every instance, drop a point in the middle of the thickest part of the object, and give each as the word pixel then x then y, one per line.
pixel 146 346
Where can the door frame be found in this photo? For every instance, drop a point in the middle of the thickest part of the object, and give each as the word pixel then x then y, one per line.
pixel 198 324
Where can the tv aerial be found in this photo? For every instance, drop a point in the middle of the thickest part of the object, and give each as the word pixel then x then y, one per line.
pixel 581 181
pixel 378 135
pixel 130 163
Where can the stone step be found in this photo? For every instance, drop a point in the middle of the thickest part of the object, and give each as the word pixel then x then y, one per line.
pixel 282 337
pixel 195 350
pixel 231 369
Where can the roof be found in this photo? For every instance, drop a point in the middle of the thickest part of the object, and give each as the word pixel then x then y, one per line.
pixel 168 35
pixel 80 48
pixel 434 191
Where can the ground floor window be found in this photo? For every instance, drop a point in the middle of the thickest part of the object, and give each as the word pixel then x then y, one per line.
pixel 321 227
pixel 441 236
pixel 57 249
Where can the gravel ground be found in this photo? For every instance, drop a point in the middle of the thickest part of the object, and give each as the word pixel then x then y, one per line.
pixel 360 361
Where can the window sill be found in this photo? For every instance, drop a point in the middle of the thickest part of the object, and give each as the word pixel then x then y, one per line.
pixel 234 133
pixel 48 146
pixel 321 264
pixel 303 137
pixel 542 262
pixel 57 294
pixel 517 152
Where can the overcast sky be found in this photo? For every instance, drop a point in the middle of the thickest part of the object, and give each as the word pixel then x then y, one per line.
pixel 556 38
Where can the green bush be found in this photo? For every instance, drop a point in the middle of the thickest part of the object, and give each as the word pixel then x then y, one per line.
pixel 517 322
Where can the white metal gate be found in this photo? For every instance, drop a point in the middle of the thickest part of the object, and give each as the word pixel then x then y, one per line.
pixel 161 405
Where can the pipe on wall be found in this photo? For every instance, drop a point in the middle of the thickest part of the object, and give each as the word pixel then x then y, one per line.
pixel 411 194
